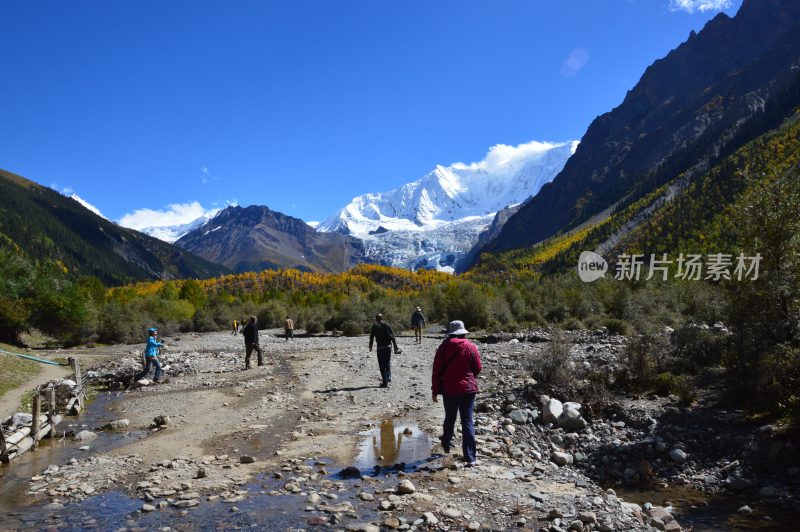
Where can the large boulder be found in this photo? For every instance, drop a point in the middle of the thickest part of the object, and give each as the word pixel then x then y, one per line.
pixel 551 410
pixel 571 420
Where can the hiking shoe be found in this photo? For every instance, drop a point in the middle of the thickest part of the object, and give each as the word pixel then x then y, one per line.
pixel 474 463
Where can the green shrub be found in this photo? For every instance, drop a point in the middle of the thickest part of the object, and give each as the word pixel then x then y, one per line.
pixel 313 326
pixel 617 326
pixel 572 324
pixel 352 328
pixel 699 347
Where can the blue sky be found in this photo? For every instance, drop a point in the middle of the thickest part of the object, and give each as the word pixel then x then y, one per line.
pixel 301 105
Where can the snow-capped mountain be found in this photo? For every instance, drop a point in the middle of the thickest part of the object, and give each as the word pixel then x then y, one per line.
pixel 434 221
pixel 171 233
pixel 86 204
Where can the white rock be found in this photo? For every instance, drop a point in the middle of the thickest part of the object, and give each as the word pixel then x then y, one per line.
pixel 406 487
pixel 85 435
pixel 551 411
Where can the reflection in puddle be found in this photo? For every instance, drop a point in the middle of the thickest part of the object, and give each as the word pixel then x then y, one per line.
pixel 389 444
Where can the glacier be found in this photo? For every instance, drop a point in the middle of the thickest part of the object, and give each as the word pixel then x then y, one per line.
pixel 434 221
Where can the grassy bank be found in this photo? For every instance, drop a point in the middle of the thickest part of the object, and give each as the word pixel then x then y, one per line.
pixel 15 371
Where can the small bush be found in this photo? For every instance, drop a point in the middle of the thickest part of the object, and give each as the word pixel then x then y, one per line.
pixel 553 365
pixel 617 326
pixel 351 328
pixel 313 327
pixel 573 324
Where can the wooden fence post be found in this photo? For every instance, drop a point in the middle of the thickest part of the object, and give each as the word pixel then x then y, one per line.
pixel 76 367
pixel 37 414
pixel 53 410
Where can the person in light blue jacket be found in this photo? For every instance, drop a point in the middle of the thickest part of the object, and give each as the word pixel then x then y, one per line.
pixel 151 351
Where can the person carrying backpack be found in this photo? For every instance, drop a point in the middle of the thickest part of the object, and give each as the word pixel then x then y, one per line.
pixel 456 365
pixel 418 322
pixel 383 336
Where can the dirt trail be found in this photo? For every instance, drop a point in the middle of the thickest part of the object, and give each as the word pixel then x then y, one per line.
pixel 10 401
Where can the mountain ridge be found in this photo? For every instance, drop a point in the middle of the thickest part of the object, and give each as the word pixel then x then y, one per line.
pixel 693 99
pixel 45 224
pixel 254 238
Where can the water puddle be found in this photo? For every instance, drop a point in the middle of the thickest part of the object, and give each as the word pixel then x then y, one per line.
pixel 265 507
pixel 393 445
pixel 704 511
pixel 14 477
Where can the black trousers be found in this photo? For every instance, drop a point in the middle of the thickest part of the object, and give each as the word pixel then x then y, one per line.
pixel 249 348
pixel 385 363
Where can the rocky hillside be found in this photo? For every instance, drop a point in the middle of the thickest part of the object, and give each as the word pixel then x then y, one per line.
pixel 684 110
pixel 47 225
pixel 256 238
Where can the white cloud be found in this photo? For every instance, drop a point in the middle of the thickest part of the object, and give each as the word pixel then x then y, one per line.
pixel 690 6
pixel 575 62
pixel 502 155
pixel 173 214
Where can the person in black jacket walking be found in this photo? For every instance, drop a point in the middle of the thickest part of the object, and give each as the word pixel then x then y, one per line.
pixel 251 343
pixel 418 322
pixel 383 336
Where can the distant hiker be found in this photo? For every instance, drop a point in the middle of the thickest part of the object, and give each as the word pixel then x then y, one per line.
pixel 235 327
pixel 151 351
pixel 418 322
pixel 455 367
pixel 288 326
pixel 251 343
pixel 383 336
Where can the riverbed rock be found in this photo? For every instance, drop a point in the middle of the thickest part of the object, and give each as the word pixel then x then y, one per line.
pixel 561 458
pixel 119 424
pixel 405 487
pixel 768 491
pixel 451 513
pixel 85 435
pixel 551 410
pixel 744 510
pixel 350 472
pixel 247 459
pixel 571 420
pixel 520 417
pixel 148 508
pixel 678 456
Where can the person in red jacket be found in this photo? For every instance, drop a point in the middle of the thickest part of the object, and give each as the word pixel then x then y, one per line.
pixel 455 367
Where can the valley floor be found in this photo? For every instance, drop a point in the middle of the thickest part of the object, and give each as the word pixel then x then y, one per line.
pixel 267 447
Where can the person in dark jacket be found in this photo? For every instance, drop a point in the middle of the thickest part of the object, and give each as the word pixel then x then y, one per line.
pixel 418 322
pixel 382 335
pixel 251 343
pixel 455 369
